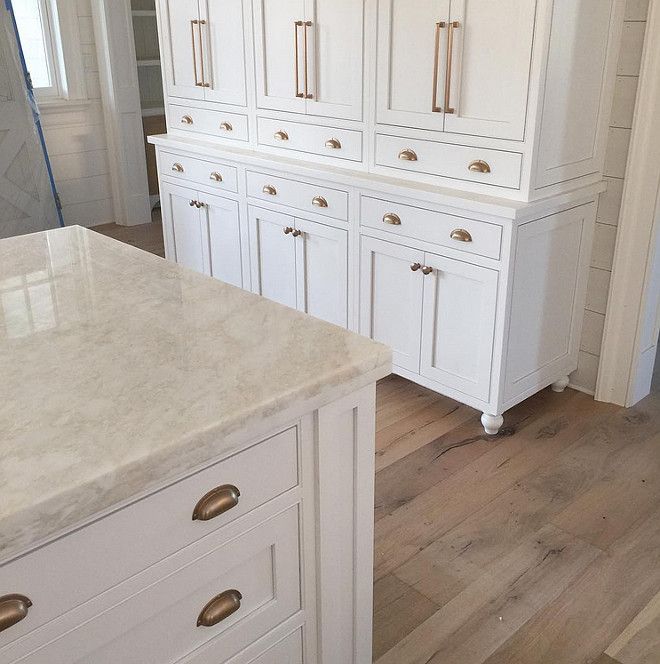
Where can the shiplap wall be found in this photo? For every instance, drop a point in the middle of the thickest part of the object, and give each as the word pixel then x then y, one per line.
pixel 610 203
pixel 76 143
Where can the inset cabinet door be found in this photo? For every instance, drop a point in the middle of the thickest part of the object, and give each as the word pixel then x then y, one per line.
pixel 460 303
pixel 224 237
pixel 391 287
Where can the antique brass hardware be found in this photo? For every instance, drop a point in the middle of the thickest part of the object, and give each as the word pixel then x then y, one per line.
pixel 270 190
pixel 178 168
pixel 216 177
pixel 450 61
pixel 297 25
pixel 288 230
pixel 199 205
pixel 297 233
pixel 461 235
pixel 436 66
pixel 201 53
pixel 427 270
pixel 13 609
pixel 281 136
pixel 392 219
pixel 187 119
pixel 193 203
pixel 333 144
pixel 408 155
pixel 194 51
pixel 226 126
pixel 319 201
pixel 416 266
pixel 479 166
pixel 308 95
pixel 220 608
pixel 216 502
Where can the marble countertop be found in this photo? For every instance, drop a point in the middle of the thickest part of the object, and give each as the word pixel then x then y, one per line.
pixel 119 370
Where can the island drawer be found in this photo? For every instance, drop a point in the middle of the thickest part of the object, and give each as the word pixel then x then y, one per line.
pixel 215 605
pixel 72 570
pixel 210 122
pixel 192 169
pixel 460 233
pixel 303 196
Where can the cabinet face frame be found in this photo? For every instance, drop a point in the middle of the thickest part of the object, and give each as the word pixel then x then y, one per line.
pixel 227 243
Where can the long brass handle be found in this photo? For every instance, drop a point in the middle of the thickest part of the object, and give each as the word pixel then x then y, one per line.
pixel 392 219
pixel 297 233
pixel 281 136
pixel 220 608
pixel 216 177
pixel 408 155
pixel 13 609
pixel 427 270
pixel 333 144
pixel 319 201
pixel 187 119
pixel 269 189
pixel 436 66
pixel 201 53
pixel 308 95
pixel 226 126
pixel 450 61
pixel 297 25
pixel 461 235
pixel 479 166
pixel 178 168
pixel 216 502
pixel 194 51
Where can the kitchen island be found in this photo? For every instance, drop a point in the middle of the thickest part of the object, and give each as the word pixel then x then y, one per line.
pixel 186 469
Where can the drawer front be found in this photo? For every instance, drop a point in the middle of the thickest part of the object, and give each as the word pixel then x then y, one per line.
pixel 484 166
pixel 254 580
pixel 288 651
pixel 73 569
pixel 209 122
pixel 474 237
pixel 312 139
pixel 299 195
pixel 207 173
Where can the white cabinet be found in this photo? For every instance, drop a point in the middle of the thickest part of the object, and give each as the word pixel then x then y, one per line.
pixel 459 66
pixel 222 219
pixel 309 56
pixel 301 264
pixel 203 50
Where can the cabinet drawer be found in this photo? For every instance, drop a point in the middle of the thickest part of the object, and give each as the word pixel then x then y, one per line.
pixel 207 121
pixel 451 161
pixel 474 237
pixel 312 139
pixel 299 195
pixel 74 569
pixel 251 583
pixel 207 173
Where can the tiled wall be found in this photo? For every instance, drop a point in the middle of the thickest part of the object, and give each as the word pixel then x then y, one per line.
pixel 76 143
pixel 610 203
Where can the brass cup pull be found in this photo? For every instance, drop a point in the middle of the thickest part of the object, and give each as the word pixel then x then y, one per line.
pixel 216 502
pixel 408 155
pixel 461 235
pixel 427 270
pixel 220 608
pixel 178 168
pixel 392 219
pixel 270 190
pixel 216 177
pixel 186 119
pixel 288 230
pixel 13 609
pixel 319 201
pixel 226 126
pixel 333 144
pixel 281 136
pixel 479 166
pixel 416 266
pixel 297 233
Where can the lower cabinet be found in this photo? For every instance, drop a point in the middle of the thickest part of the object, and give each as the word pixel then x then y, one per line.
pixel 300 263
pixel 437 314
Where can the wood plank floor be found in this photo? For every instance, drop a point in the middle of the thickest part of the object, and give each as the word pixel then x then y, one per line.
pixel 538 546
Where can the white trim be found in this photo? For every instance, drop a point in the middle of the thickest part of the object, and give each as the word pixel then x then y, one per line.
pixel 69 48
pixel 634 256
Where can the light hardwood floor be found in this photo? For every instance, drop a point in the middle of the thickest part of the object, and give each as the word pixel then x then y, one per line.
pixel 538 546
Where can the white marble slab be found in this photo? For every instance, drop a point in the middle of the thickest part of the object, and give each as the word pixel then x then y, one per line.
pixel 119 369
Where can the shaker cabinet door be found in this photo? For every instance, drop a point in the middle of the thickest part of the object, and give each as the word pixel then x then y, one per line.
pixel 224 232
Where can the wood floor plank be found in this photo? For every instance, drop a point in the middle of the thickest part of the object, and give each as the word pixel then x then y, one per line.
pixel 606 659
pixel 148 237
pixel 640 641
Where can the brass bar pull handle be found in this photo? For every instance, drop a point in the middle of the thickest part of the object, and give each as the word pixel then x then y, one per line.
pixel 187 119
pixel 220 608
pixel 450 62
pixel 216 502
pixel 226 126
pixel 288 230
pixel 319 201
pixel 194 51
pixel 13 609
pixel 392 219
pixel 408 155
pixel 178 168
pixel 216 177
pixel 416 267
pixel 201 53
pixel 297 25
pixel 479 166
pixel 427 270
pixel 436 66
pixel 281 136
pixel 308 95
pixel 333 144
pixel 269 189
pixel 461 235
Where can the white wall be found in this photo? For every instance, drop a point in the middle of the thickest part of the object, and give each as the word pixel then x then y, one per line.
pixel 76 143
pixel 610 204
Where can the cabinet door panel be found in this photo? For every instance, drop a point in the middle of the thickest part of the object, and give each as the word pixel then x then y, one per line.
pixel 458 325
pixel 276 56
pixel 406 58
pixel 491 66
pixel 391 299
pixel 322 271
pixel 273 256
pixel 224 51
pixel 224 232
pixel 180 48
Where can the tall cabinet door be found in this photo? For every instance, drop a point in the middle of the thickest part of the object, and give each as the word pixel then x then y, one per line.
pixel 180 47
pixel 335 58
pixel 322 271
pixel 224 233
pixel 460 302
pixel 224 51
pixel 489 76
pixel 279 51
pixel 391 285
pixel 273 256
pixel 412 62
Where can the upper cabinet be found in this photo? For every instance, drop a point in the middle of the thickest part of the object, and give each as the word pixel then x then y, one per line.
pixel 309 56
pixel 203 47
pixel 455 66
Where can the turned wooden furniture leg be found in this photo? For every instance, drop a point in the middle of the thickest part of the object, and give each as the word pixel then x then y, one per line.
pixel 492 423
pixel 561 384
